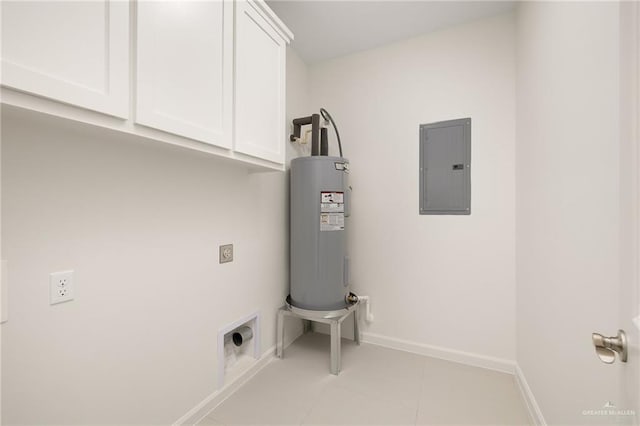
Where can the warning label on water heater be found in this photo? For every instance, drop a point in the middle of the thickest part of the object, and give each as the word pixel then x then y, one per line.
pixel 331 211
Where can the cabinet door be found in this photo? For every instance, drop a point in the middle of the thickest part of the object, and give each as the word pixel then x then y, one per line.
pixel 260 86
pixel 184 72
pixel 76 52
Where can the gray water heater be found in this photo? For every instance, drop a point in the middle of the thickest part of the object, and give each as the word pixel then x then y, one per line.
pixel 320 202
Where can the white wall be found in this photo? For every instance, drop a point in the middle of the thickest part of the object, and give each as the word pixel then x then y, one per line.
pixel 3 295
pixel 571 203
pixel 298 102
pixel 447 281
pixel 140 223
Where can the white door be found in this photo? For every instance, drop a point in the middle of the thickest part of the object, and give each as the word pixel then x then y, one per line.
pixel 577 208
pixel 184 68
pixel 260 86
pixel 620 395
pixel 72 52
pixel 629 373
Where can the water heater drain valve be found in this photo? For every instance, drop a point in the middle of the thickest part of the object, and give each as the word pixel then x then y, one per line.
pixel 351 299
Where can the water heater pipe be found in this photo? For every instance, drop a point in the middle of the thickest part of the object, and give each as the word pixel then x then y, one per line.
pixel 314 120
pixel 324 141
pixel 352 298
pixel 325 114
pixel 367 302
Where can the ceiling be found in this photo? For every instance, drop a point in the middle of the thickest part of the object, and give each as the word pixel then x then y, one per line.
pixel 327 29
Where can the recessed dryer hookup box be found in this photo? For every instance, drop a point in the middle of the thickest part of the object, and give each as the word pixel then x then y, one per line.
pixel 225 335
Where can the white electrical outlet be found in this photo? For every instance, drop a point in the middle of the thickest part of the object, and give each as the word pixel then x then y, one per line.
pixel 60 287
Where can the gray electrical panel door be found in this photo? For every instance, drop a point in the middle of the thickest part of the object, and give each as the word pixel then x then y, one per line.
pixel 445 167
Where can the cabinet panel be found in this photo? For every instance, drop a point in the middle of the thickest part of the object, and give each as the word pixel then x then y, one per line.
pixel 260 86
pixel 184 68
pixel 72 52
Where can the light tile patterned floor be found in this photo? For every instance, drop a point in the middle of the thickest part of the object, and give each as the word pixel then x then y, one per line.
pixel 377 386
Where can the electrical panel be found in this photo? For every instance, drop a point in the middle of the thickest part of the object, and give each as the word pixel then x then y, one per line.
pixel 445 167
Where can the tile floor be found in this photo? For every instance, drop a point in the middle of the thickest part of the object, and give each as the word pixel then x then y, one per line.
pixel 377 386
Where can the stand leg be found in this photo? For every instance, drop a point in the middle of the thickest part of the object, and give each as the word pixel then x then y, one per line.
pixel 306 326
pixel 335 348
pixel 280 334
pixel 356 327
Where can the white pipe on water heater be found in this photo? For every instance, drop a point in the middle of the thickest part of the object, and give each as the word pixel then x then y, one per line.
pixel 368 315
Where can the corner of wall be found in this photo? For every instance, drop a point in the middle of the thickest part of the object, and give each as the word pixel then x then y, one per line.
pixel 535 414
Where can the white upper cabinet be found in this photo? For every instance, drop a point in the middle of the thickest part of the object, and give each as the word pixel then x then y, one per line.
pixel 260 58
pixel 207 75
pixel 75 52
pixel 184 69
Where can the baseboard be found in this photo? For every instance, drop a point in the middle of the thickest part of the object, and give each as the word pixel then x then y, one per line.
pixel 207 405
pixel 201 410
pixel 535 414
pixel 468 358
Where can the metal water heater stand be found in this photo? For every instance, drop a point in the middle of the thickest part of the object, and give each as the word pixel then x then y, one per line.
pixel 333 318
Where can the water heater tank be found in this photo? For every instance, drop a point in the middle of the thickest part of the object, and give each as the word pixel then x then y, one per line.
pixel 319 204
